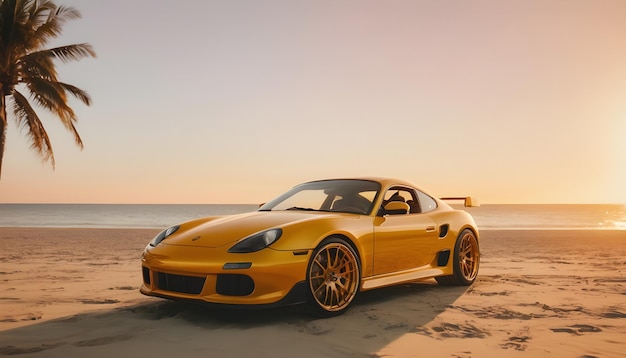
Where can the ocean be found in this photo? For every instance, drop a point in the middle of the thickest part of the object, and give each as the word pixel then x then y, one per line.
pixel 487 217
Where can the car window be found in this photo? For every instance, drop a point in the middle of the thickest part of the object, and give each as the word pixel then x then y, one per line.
pixel 405 195
pixel 342 195
pixel 369 195
pixel 306 199
pixel 426 202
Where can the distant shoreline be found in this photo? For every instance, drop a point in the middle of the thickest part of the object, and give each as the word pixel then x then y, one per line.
pixel 487 217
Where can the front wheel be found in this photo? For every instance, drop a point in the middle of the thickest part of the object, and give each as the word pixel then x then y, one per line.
pixel 466 259
pixel 333 277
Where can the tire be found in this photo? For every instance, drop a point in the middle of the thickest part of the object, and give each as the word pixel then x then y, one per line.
pixel 333 278
pixel 466 260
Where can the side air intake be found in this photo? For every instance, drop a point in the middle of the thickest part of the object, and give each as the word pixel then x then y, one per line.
pixel 443 258
pixel 443 230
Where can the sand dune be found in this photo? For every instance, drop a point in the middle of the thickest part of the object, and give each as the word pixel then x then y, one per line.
pixel 74 292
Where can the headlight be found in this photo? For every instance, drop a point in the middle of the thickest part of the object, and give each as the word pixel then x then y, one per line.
pixel 257 242
pixel 163 235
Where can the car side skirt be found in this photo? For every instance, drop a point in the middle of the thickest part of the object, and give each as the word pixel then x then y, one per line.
pixel 368 283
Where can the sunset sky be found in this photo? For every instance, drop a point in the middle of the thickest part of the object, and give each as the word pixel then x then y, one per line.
pixel 518 101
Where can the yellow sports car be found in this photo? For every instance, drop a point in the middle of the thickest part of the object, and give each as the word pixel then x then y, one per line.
pixel 320 243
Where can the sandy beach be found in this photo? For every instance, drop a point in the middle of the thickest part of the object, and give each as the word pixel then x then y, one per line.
pixel 74 292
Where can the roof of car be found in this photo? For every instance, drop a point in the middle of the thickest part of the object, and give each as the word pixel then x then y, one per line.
pixel 384 181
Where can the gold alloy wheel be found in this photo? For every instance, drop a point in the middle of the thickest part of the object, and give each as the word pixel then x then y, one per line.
pixel 469 256
pixel 334 277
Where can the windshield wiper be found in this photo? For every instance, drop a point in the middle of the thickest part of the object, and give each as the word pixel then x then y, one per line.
pixel 300 208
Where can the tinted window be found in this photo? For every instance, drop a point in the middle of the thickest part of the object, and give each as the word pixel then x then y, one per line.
pixel 352 196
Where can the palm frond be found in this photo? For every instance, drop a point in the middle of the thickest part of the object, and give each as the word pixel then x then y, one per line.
pixel 25 22
pixel 51 96
pixel 65 53
pixel 27 118
pixel 77 138
pixel 65 13
pixel 52 20
pixel 37 65
pixel 78 93
pixel 39 11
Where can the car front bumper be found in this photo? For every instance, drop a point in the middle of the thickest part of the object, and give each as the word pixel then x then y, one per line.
pixel 266 277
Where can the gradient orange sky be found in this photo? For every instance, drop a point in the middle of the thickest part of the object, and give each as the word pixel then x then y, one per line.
pixel 518 101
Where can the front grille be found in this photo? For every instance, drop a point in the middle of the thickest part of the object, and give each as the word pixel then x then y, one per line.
pixel 178 283
pixel 146 275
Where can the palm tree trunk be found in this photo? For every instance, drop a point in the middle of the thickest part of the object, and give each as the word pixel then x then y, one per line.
pixel 3 127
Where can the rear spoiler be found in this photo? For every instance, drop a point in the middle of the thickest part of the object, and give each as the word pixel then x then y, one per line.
pixel 468 201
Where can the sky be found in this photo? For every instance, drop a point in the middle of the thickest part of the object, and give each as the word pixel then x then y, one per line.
pixel 234 101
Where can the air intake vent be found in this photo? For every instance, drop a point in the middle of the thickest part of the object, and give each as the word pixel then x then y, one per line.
pixel 146 275
pixel 443 258
pixel 177 283
pixel 234 285
pixel 443 230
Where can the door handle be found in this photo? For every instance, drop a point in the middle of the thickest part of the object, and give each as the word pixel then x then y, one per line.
pixel 430 229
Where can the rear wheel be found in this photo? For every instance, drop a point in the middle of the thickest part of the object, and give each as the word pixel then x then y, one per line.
pixel 333 277
pixel 466 260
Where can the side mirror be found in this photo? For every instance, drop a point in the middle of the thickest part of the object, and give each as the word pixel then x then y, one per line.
pixel 396 208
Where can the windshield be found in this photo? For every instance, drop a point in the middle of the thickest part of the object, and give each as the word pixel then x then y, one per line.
pixel 344 195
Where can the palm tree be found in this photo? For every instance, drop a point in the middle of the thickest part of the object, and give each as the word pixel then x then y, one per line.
pixel 26 26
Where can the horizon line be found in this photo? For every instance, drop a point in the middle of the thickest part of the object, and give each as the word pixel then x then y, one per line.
pixel 259 204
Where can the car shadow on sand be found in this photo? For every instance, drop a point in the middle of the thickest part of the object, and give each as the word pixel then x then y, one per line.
pixel 428 299
pixel 156 326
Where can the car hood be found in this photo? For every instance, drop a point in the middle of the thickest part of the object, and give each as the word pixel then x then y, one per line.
pixel 220 231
